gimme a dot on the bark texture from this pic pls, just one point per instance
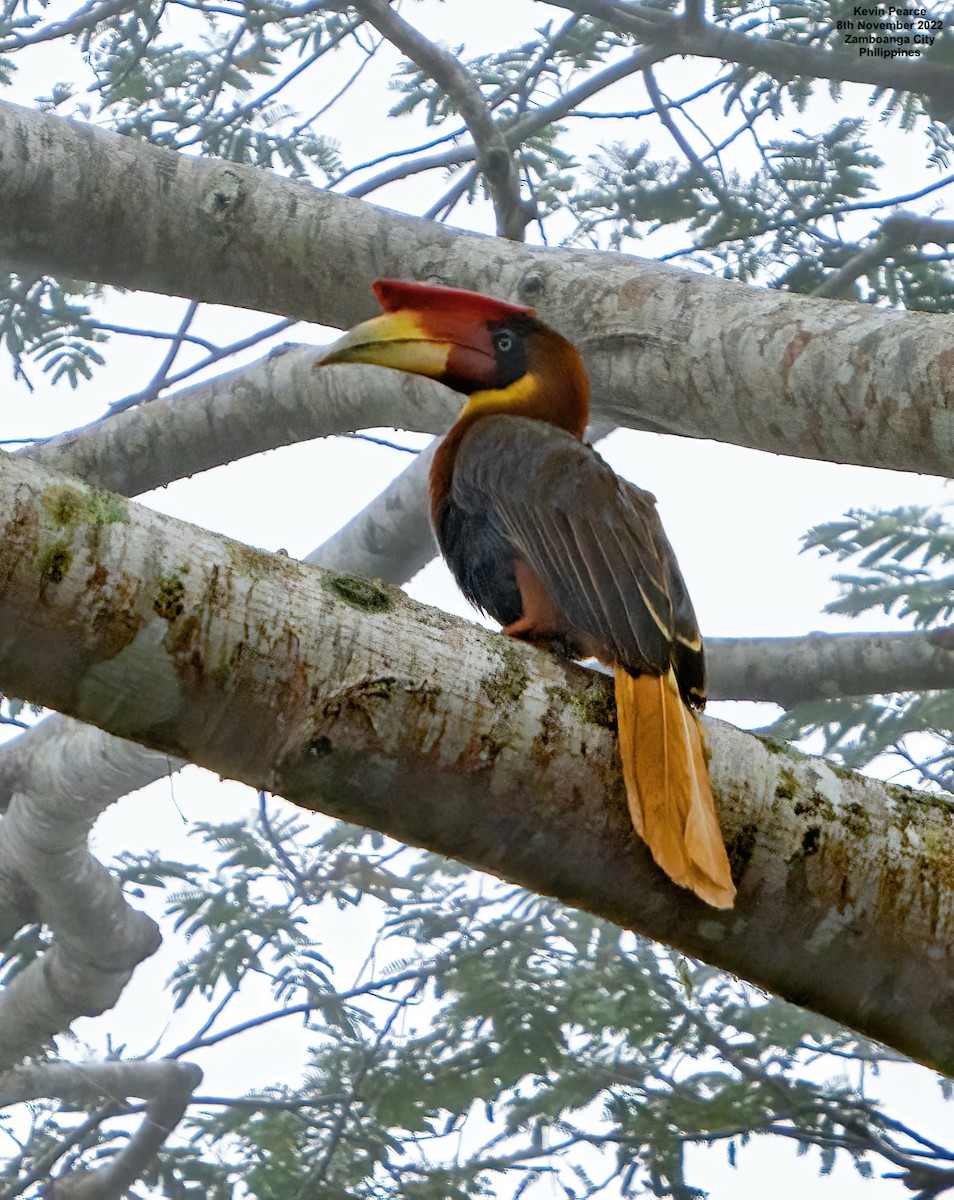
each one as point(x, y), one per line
point(348, 697)
point(167, 1088)
point(278, 401)
point(819, 666)
point(666, 349)
point(48, 874)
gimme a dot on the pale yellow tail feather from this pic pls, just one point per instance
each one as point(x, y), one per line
point(667, 785)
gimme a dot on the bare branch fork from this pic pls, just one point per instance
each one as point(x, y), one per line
point(166, 1086)
point(494, 158)
point(844, 903)
point(38, 771)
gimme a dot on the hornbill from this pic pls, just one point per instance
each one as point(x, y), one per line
point(543, 535)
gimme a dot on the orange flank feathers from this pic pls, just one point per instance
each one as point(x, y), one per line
point(667, 785)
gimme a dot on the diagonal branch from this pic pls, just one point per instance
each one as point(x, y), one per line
point(391, 539)
point(349, 696)
point(89, 15)
point(219, 421)
point(166, 1086)
point(897, 232)
point(661, 109)
point(791, 374)
point(494, 157)
point(778, 57)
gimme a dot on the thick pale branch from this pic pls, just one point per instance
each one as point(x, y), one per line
point(278, 401)
point(147, 446)
point(823, 665)
point(666, 349)
point(391, 539)
point(353, 699)
point(41, 770)
point(46, 866)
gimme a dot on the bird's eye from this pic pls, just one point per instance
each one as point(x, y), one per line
point(504, 341)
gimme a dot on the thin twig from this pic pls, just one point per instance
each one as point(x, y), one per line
point(158, 381)
point(202, 1041)
point(216, 356)
point(377, 441)
point(494, 155)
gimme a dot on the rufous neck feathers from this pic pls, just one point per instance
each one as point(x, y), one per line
point(554, 387)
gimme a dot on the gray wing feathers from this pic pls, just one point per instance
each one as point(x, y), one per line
point(594, 540)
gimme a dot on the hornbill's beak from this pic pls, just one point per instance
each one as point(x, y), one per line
point(429, 330)
point(406, 340)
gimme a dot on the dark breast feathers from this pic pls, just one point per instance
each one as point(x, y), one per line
point(519, 489)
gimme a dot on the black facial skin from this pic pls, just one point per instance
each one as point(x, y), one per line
point(509, 350)
point(510, 357)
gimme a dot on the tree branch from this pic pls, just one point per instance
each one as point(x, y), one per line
point(789, 374)
point(788, 670)
point(167, 1086)
point(517, 131)
point(391, 539)
point(896, 232)
point(442, 734)
point(666, 119)
point(494, 156)
point(84, 18)
point(220, 420)
point(47, 873)
point(778, 57)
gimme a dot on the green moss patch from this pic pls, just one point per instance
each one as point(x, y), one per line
point(168, 600)
point(54, 563)
point(66, 505)
point(507, 685)
point(595, 705)
point(359, 592)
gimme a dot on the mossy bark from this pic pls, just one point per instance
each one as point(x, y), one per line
point(450, 737)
